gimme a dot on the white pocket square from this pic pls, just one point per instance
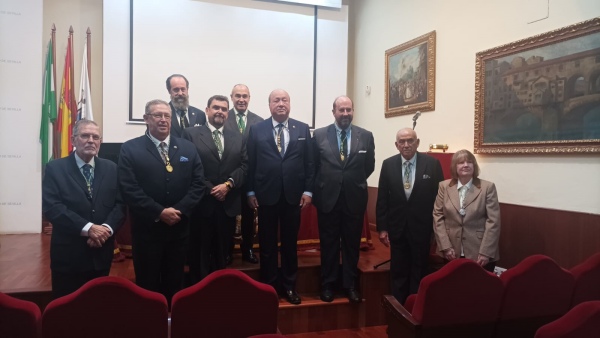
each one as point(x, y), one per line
point(302, 139)
point(425, 176)
point(183, 159)
point(362, 151)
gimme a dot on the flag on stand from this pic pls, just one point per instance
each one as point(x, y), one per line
point(66, 109)
point(48, 107)
point(84, 105)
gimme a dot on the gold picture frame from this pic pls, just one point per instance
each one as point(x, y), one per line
point(410, 76)
point(540, 95)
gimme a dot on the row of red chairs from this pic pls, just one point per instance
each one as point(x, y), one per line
point(464, 300)
point(227, 303)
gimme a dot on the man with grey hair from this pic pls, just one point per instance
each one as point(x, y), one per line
point(161, 180)
point(80, 198)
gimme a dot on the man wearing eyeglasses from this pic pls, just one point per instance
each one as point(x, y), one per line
point(182, 114)
point(241, 119)
point(80, 198)
point(161, 180)
point(408, 186)
point(224, 159)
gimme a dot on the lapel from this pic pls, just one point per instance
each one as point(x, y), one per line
point(333, 143)
point(471, 195)
point(206, 137)
point(175, 119)
point(419, 171)
point(150, 147)
point(76, 174)
point(269, 132)
point(398, 169)
point(173, 150)
point(98, 177)
point(355, 143)
point(294, 133)
point(191, 116)
point(230, 143)
point(452, 192)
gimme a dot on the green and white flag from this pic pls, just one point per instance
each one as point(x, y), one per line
point(48, 108)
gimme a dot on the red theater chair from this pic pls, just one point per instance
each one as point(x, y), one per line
point(107, 307)
point(227, 303)
point(587, 280)
point(536, 292)
point(459, 300)
point(582, 321)
point(19, 318)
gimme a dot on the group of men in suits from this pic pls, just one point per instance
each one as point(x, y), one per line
point(192, 173)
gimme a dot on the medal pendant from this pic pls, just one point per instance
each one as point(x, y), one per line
point(406, 185)
point(462, 212)
point(343, 157)
point(169, 168)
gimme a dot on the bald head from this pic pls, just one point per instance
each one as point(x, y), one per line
point(343, 112)
point(240, 97)
point(279, 104)
point(407, 143)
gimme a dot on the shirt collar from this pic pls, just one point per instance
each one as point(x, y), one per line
point(275, 123)
point(81, 162)
point(157, 142)
point(339, 130)
point(413, 160)
point(213, 128)
point(468, 185)
point(245, 112)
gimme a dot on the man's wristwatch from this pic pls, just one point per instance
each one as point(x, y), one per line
point(229, 185)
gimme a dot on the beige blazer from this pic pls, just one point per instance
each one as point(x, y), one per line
point(478, 231)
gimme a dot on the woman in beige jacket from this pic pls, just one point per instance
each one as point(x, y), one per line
point(466, 214)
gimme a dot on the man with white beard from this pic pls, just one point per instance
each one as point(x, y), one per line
point(182, 114)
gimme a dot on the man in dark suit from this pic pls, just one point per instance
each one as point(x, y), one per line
point(182, 114)
point(161, 180)
point(241, 119)
point(224, 158)
point(280, 182)
point(344, 159)
point(81, 200)
point(408, 186)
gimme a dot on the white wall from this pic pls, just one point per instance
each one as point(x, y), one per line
point(464, 28)
point(21, 74)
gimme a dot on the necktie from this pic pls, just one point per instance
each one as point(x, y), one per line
point(183, 122)
point(89, 178)
point(280, 139)
point(462, 193)
point(217, 138)
point(163, 151)
point(241, 123)
point(343, 146)
point(407, 170)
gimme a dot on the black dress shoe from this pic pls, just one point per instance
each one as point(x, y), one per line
point(249, 256)
point(292, 297)
point(353, 295)
point(327, 295)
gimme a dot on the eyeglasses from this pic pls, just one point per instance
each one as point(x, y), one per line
point(86, 137)
point(160, 116)
point(409, 142)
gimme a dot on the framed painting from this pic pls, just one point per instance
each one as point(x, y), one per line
point(410, 76)
point(541, 94)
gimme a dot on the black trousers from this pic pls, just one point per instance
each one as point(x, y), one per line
point(286, 218)
point(210, 241)
point(159, 261)
point(64, 283)
point(340, 228)
point(409, 264)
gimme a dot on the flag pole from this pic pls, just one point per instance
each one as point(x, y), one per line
point(72, 80)
point(89, 55)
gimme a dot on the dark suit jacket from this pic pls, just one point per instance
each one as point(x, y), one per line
point(195, 116)
point(331, 174)
point(66, 206)
point(233, 164)
point(269, 174)
point(148, 188)
point(251, 119)
point(395, 213)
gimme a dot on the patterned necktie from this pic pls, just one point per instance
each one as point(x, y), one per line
point(217, 138)
point(407, 172)
point(280, 139)
point(183, 122)
point(89, 178)
point(241, 123)
point(163, 151)
point(462, 193)
point(344, 146)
